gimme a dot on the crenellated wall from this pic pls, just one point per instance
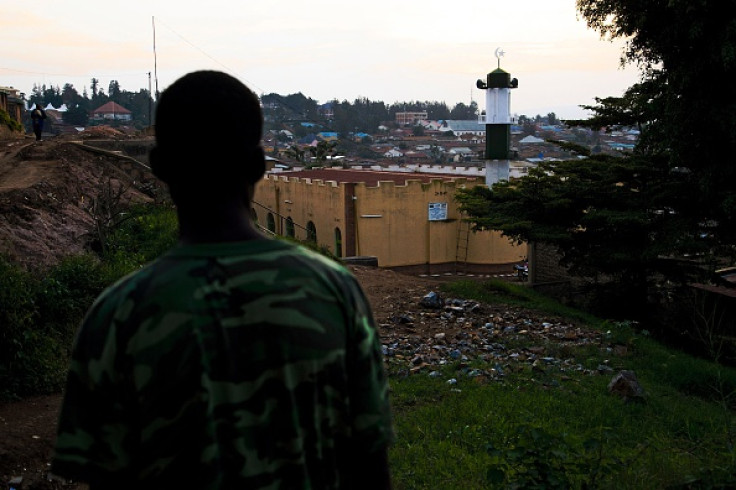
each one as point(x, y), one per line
point(387, 220)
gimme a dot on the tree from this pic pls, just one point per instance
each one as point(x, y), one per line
point(52, 95)
point(686, 102)
point(69, 95)
point(321, 152)
point(464, 112)
point(113, 91)
point(76, 115)
point(36, 95)
point(600, 213)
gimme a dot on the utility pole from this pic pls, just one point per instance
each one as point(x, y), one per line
point(150, 101)
point(155, 61)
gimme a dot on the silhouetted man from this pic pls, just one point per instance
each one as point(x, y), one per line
point(234, 360)
point(38, 115)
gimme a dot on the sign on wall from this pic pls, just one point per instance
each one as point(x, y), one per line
point(437, 211)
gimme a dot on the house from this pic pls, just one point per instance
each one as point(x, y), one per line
point(111, 110)
point(431, 125)
point(393, 153)
point(327, 136)
point(410, 118)
point(12, 102)
point(530, 140)
point(326, 110)
point(461, 127)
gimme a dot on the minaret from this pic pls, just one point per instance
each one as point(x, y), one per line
point(497, 119)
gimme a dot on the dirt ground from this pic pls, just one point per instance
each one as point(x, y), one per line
point(51, 194)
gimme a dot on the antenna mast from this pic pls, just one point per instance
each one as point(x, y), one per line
point(155, 61)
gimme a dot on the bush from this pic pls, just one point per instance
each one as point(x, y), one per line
point(8, 121)
point(148, 231)
point(64, 295)
point(40, 314)
point(535, 458)
point(17, 315)
point(38, 319)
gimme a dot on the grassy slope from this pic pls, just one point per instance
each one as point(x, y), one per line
point(564, 430)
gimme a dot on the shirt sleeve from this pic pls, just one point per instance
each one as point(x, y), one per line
point(370, 410)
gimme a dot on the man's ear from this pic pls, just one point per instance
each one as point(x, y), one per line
point(155, 159)
point(256, 165)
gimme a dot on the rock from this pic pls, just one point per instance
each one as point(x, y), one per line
point(404, 319)
point(625, 385)
point(602, 368)
point(432, 300)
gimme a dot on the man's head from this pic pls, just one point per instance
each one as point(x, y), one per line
point(208, 133)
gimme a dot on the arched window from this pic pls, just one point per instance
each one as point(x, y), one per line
point(290, 227)
point(311, 232)
point(271, 223)
point(338, 242)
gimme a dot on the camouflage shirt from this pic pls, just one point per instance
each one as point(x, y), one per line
point(231, 365)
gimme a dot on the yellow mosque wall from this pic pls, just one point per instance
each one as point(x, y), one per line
point(389, 221)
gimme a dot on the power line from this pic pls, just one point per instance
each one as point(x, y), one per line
point(227, 68)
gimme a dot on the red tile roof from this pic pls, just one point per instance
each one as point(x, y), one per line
point(110, 108)
point(369, 177)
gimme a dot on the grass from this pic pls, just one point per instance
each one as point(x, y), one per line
point(564, 430)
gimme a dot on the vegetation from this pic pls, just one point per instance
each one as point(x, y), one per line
point(41, 310)
point(513, 432)
point(9, 122)
point(600, 213)
point(559, 428)
point(678, 45)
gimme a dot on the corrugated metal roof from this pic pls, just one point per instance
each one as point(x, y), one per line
point(460, 125)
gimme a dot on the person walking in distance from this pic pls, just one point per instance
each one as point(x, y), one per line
point(233, 361)
point(38, 115)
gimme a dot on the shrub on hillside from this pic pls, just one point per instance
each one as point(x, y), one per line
point(9, 122)
point(19, 343)
point(39, 316)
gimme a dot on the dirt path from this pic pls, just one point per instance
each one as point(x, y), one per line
point(24, 164)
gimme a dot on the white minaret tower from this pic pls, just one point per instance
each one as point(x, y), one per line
point(497, 119)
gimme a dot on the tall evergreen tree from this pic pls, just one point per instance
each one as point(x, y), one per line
point(686, 101)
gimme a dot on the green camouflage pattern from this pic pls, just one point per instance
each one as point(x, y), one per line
point(232, 365)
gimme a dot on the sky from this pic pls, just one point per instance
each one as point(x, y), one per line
point(383, 50)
